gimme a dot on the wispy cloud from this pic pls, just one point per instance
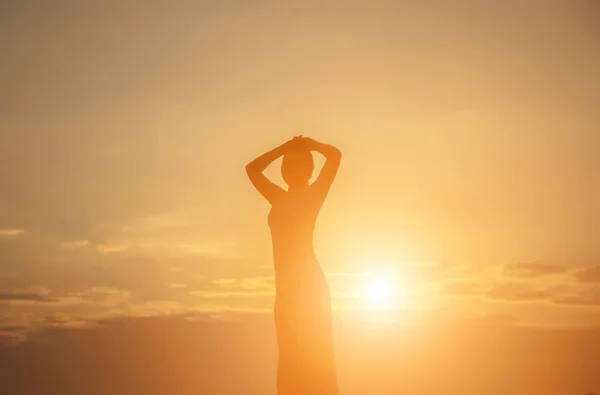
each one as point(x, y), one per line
point(463, 288)
point(231, 294)
point(589, 275)
point(255, 292)
point(103, 296)
point(585, 297)
point(26, 296)
point(246, 283)
point(535, 269)
point(11, 232)
point(518, 293)
point(179, 219)
point(444, 271)
point(75, 244)
point(111, 248)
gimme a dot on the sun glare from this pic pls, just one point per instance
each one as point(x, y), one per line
point(379, 291)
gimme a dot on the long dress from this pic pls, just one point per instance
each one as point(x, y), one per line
point(306, 363)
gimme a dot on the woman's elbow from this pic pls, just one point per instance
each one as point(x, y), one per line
point(252, 172)
point(336, 154)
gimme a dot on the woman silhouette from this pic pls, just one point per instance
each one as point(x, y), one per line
point(302, 303)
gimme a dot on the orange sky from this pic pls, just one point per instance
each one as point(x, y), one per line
point(470, 135)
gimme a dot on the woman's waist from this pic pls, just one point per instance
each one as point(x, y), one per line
point(294, 253)
point(291, 276)
point(299, 281)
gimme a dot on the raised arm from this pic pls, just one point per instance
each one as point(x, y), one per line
point(333, 157)
point(255, 170)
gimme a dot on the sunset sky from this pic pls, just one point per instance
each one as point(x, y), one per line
point(463, 223)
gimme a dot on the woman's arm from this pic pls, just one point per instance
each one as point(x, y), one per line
point(255, 170)
point(333, 158)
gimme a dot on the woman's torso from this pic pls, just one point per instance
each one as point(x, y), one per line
point(292, 220)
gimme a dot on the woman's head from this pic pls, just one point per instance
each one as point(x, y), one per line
point(297, 166)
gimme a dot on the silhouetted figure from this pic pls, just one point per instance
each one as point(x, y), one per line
point(302, 302)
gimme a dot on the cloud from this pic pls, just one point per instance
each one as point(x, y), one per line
point(231, 294)
point(443, 271)
point(26, 297)
point(11, 232)
point(509, 292)
point(160, 307)
point(12, 328)
point(254, 294)
point(589, 275)
point(10, 334)
point(462, 288)
point(226, 281)
point(533, 269)
point(111, 248)
point(63, 320)
point(39, 308)
point(76, 244)
point(212, 248)
point(586, 297)
point(260, 282)
point(36, 310)
point(246, 283)
point(104, 296)
point(515, 292)
point(180, 219)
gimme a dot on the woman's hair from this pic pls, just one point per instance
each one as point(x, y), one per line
point(297, 166)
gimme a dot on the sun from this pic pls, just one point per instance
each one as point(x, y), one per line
point(380, 291)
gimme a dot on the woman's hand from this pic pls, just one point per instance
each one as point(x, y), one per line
point(293, 143)
point(311, 144)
